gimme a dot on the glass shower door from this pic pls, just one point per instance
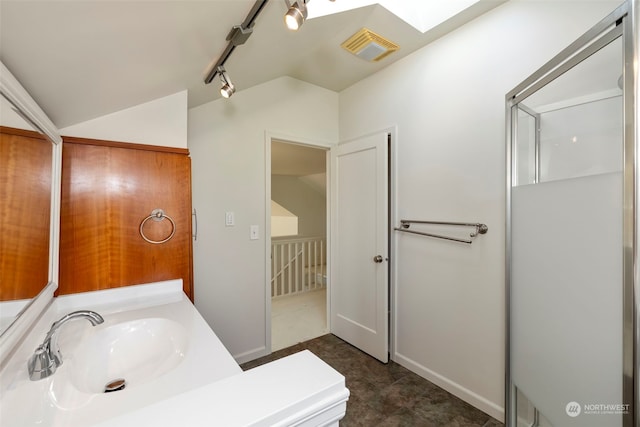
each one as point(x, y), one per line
point(565, 234)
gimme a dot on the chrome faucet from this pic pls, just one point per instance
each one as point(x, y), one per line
point(47, 357)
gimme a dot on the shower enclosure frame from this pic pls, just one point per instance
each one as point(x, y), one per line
point(622, 22)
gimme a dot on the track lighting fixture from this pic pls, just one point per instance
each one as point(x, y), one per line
point(227, 88)
point(296, 14)
point(236, 37)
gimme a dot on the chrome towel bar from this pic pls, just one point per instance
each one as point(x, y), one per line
point(479, 229)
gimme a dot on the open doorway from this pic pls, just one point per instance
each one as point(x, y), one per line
point(298, 218)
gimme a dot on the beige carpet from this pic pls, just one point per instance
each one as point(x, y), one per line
point(298, 318)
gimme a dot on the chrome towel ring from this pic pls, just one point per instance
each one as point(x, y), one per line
point(158, 215)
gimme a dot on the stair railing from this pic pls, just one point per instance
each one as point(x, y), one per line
point(297, 265)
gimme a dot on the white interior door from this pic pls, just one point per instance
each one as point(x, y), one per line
point(359, 236)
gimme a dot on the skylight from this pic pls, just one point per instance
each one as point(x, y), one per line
point(423, 15)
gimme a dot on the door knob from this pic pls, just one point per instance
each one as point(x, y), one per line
point(378, 259)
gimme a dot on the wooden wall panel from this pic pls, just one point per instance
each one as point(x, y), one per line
point(107, 191)
point(25, 202)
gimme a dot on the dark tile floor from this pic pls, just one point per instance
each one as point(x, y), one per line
point(386, 395)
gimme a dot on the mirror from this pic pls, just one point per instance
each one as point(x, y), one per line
point(29, 202)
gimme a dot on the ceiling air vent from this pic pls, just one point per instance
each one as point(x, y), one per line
point(369, 46)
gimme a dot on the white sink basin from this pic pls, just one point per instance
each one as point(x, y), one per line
point(152, 336)
point(136, 351)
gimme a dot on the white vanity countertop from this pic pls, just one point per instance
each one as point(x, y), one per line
point(206, 388)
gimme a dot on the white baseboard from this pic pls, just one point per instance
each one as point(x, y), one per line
point(250, 355)
point(485, 405)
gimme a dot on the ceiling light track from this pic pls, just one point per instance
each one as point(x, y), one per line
point(237, 36)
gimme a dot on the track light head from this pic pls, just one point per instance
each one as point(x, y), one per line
point(296, 14)
point(227, 90)
point(228, 87)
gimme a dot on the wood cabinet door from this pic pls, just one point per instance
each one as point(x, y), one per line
point(25, 206)
point(107, 192)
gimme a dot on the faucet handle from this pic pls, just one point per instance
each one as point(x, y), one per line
point(47, 357)
point(41, 364)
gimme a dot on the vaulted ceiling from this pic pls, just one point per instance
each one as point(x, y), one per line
point(297, 160)
point(85, 59)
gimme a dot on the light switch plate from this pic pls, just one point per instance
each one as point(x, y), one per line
point(254, 232)
point(229, 219)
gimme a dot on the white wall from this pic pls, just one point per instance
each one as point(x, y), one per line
point(304, 201)
point(283, 222)
point(227, 145)
point(448, 102)
point(9, 118)
point(160, 122)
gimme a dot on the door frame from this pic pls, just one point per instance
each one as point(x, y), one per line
point(393, 237)
point(307, 142)
point(392, 131)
